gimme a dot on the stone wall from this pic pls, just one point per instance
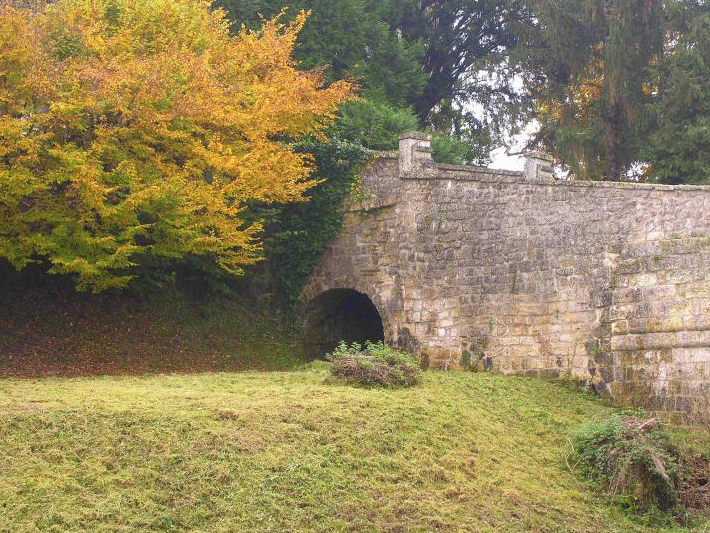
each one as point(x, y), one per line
point(518, 273)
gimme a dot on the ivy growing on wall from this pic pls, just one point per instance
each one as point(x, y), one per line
point(297, 234)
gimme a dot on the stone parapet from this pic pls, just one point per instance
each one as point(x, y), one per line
point(538, 166)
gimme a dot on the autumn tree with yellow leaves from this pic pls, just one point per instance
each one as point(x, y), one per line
point(135, 131)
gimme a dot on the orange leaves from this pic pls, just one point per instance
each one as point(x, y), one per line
point(141, 129)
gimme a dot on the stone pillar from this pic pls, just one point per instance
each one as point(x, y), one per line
point(415, 154)
point(538, 166)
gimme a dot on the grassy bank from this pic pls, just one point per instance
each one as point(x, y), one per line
point(47, 329)
point(289, 452)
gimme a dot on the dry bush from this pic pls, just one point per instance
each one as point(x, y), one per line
point(633, 460)
point(374, 365)
point(695, 491)
point(700, 413)
point(644, 466)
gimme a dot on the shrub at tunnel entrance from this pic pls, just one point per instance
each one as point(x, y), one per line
point(134, 133)
point(375, 364)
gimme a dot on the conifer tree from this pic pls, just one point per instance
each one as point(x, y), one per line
point(677, 149)
point(587, 64)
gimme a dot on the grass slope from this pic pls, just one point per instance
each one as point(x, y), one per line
point(287, 452)
point(47, 330)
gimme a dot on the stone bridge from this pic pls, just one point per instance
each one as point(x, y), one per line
point(517, 272)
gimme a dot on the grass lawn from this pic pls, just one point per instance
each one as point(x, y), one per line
point(288, 452)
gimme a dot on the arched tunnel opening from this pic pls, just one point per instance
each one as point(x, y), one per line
point(340, 314)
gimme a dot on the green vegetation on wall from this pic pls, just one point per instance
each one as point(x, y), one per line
point(296, 234)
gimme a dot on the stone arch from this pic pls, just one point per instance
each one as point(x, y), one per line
point(341, 314)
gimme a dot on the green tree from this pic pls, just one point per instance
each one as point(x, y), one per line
point(419, 54)
point(587, 69)
point(373, 124)
point(677, 149)
point(377, 126)
point(460, 37)
point(351, 40)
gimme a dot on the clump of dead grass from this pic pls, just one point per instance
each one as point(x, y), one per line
point(374, 365)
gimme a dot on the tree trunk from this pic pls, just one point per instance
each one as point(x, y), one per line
point(613, 144)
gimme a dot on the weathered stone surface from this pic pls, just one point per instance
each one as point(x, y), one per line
point(605, 282)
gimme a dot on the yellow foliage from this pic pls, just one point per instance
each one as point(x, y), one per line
point(137, 130)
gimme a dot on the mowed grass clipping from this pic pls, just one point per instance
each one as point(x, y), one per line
point(288, 452)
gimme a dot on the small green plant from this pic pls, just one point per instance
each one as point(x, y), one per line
point(631, 458)
point(375, 364)
point(596, 351)
point(466, 360)
point(358, 192)
point(474, 362)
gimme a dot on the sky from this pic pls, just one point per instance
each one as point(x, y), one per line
point(499, 157)
point(500, 160)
